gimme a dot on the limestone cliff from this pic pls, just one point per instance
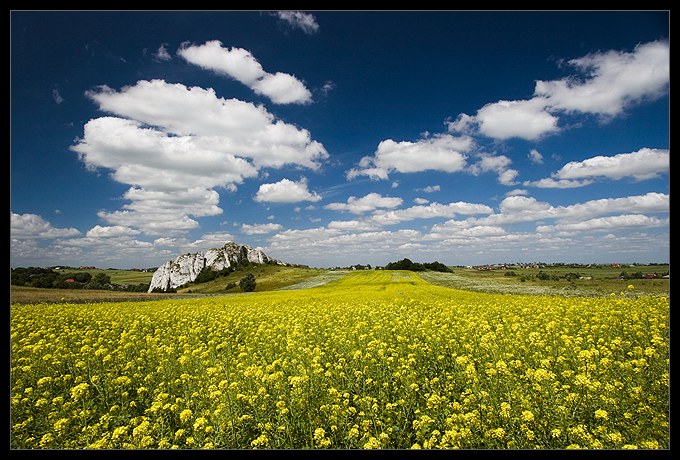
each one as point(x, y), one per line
point(186, 267)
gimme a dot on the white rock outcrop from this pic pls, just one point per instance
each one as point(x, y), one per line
point(186, 267)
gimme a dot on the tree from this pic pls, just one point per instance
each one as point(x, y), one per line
point(247, 283)
point(102, 278)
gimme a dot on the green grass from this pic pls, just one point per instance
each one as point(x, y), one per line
point(602, 280)
point(117, 276)
point(267, 278)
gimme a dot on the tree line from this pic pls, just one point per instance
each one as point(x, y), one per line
point(407, 264)
point(47, 278)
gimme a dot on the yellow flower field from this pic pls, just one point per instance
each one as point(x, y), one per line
point(376, 359)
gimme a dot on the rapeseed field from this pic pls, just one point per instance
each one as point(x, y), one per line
point(376, 359)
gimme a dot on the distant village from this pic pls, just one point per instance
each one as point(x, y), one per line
point(92, 267)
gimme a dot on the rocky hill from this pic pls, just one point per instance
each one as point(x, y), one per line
point(186, 267)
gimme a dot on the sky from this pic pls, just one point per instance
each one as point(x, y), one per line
point(331, 138)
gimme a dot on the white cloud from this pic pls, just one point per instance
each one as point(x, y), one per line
point(503, 235)
point(260, 229)
point(535, 156)
point(552, 183)
point(524, 119)
point(162, 53)
point(516, 192)
point(286, 191)
point(522, 209)
point(644, 164)
point(440, 153)
point(226, 126)
point(367, 203)
point(177, 144)
point(607, 223)
point(432, 210)
point(351, 225)
point(209, 240)
point(419, 200)
point(431, 188)
point(297, 19)
point(350, 246)
point(99, 231)
point(30, 226)
point(327, 87)
point(519, 203)
point(496, 163)
point(282, 88)
point(649, 203)
point(614, 80)
point(240, 64)
point(463, 124)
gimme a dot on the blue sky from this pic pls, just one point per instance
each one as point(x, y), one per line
point(333, 138)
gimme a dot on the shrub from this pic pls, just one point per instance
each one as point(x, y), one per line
point(247, 283)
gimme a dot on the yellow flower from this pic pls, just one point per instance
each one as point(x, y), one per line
point(505, 409)
point(372, 443)
point(261, 441)
point(185, 415)
point(496, 433)
point(319, 433)
point(601, 414)
point(79, 391)
point(199, 424)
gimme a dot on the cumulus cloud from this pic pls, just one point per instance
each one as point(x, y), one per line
point(429, 211)
point(498, 233)
point(32, 226)
point(519, 203)
point(367, 203)
point(607, 223)
point(315, 243)
point(440, 153)
point(260, 229)
point(496, 163)
point(241, 65)
point(606, 85)
point(524, 119)
point(113, 231)
point(286, 191)
point(613, 80)
point(353, 225)
point(549, 182)
point(643, 164)
point(174, 145)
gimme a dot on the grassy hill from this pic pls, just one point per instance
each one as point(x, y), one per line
point(267, 278)
point(117, 276)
